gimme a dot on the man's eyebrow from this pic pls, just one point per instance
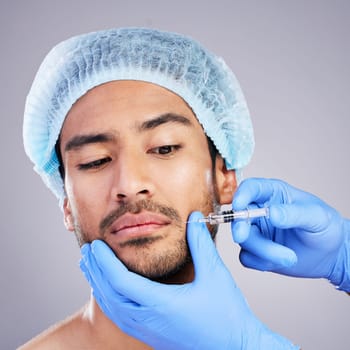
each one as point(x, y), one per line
point(163, 119)
point(79, 141)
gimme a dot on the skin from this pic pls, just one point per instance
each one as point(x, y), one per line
point(134, 187)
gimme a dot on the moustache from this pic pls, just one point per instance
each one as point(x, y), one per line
point(138, 207)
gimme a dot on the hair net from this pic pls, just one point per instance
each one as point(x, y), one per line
point(170, 60)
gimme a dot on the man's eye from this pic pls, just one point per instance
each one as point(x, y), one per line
point(165, 150)
point(94, 164)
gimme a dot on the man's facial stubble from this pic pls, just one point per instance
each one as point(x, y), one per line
point(151, 264)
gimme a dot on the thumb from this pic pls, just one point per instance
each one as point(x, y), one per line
point(204, 254)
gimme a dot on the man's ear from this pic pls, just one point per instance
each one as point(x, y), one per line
point(68, 217)
point(226, 182)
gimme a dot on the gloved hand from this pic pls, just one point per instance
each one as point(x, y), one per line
point(208, 313)
point(303, 236)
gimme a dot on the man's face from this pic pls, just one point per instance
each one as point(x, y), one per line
point(136, 165)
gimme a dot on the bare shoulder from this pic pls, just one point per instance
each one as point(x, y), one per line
point(88, 329)
point(63, 335)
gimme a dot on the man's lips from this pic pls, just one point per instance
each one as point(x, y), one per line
point(132, 225)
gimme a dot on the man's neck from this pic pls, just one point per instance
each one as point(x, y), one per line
point(105, 329)
point(105, 332)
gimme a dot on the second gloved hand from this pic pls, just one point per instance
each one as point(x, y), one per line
point(303, 236)
point(208, 313)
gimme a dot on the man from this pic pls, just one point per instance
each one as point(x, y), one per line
point(111, 126)
point(131, 152)
point(133, 130)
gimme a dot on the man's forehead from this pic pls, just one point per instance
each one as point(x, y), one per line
point(124, 89)
point(143, 104)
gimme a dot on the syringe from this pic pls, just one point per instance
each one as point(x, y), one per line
point(231, 215)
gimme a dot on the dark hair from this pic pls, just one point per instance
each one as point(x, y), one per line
point(59, 158)
point(212, 150)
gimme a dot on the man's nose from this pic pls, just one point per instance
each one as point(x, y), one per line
point(132, 179)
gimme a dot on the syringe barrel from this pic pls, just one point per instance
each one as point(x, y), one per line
point(251, 213)
point(230, 215)
point(221, 217)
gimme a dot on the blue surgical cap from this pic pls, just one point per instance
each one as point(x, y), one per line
point(170, 60)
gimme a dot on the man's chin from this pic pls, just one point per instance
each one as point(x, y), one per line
point(161, 268)
point(183, 273)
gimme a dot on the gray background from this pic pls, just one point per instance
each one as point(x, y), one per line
point(292, 59)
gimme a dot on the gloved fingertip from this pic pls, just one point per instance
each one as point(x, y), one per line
point(194, 225)
point(240, 231)
point(277, 214)
point(239, 203)
point(251, 261)
point(201, 244)
point(97, 244)
point(290, 259)
point(82, 264)
point(194, 217)
point(84, 270)
point(85, 249)
point(100, 248)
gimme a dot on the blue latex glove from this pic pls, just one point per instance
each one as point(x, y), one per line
point(303, 236)
point(208, 313)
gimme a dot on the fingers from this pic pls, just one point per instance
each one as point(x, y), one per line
point(240, 230)
point(253, 262)
point(90, 269)
point(100, 287)
point(95, 276)
point(105, 266)
point(265, 249)
point(309, 217)
point(119, 309)
point(289, 206)
point(254, 190)
point(204, 254)
point(312, 218)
